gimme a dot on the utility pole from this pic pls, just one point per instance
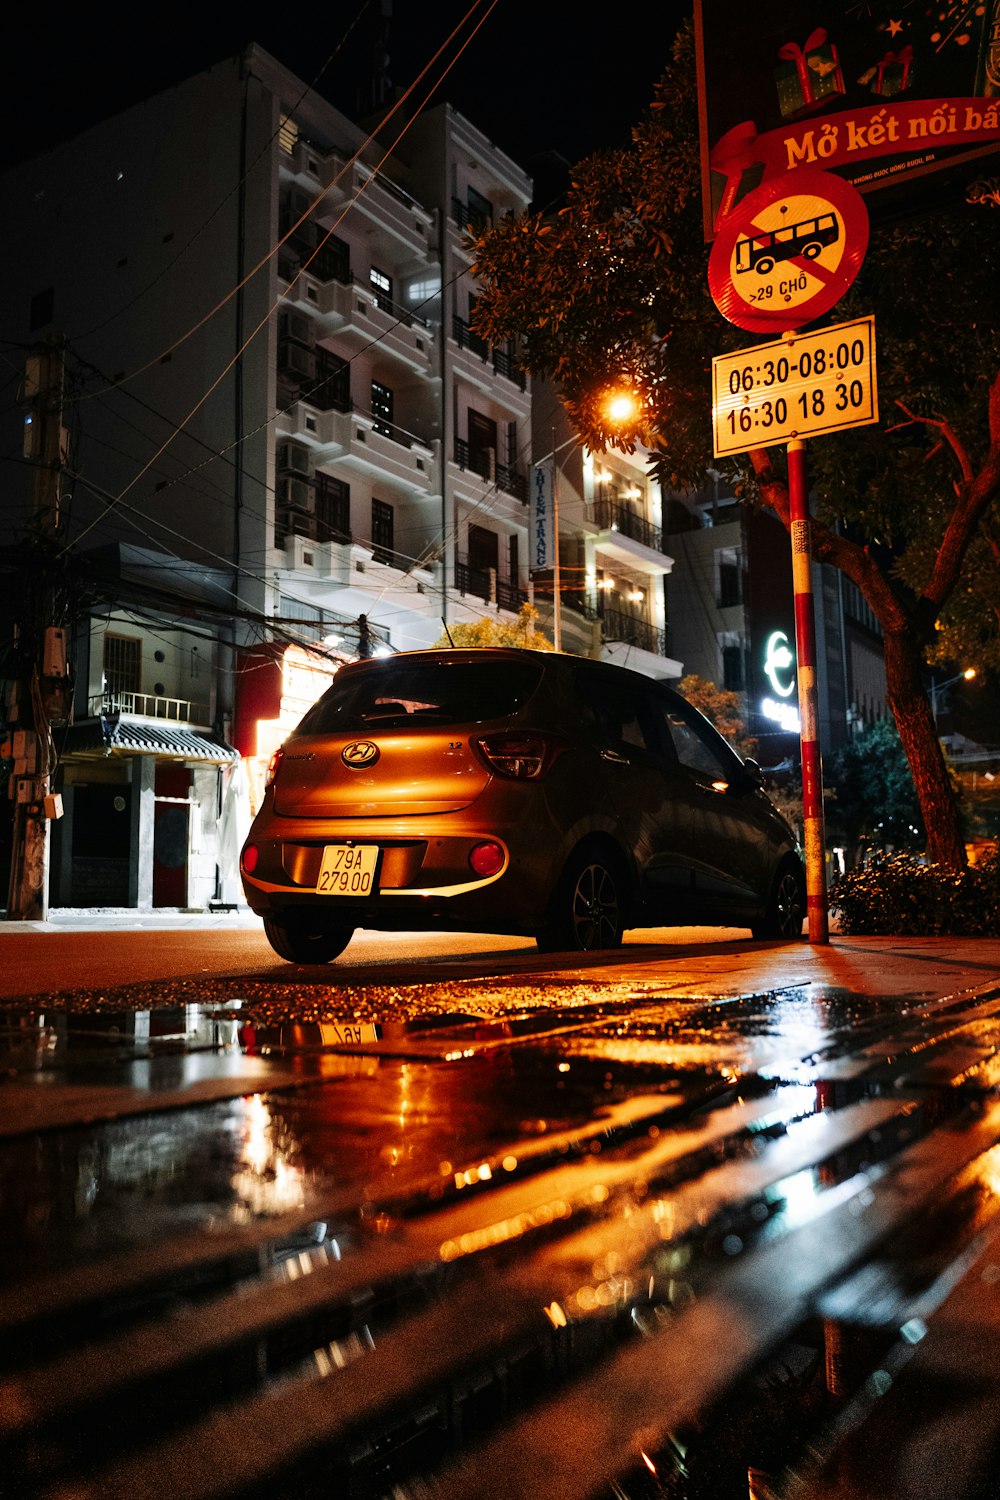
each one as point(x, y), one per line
point(41, 692)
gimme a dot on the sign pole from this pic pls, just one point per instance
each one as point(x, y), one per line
point(805, 650)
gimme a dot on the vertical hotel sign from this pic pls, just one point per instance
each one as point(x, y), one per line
point(542, 534)
point(879, 96)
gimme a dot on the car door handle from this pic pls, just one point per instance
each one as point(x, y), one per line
point(615, 757)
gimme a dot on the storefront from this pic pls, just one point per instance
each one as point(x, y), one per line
point(153, 816)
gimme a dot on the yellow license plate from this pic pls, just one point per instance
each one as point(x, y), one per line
point(347, 870)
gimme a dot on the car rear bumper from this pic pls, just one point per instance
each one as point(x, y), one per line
point(420, 882)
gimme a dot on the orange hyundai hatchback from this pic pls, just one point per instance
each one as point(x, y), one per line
point(512, 791)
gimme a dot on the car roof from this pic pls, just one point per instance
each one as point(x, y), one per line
point(551, 661)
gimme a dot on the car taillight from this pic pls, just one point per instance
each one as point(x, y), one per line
point(486, 858)
point(522, 757)
point(273, 766)
point(251, 854)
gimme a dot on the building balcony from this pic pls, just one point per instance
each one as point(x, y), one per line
point(357, 315)
point(492, 371)
point(149, 706)
point(467, 219)
point(632, 631)
point(399, 222)
point(506, 478)
point(628, 537)
point(483, 583)
point(359, 440)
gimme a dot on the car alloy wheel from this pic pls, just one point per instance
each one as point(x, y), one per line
point(588, 911)
point(785, 908)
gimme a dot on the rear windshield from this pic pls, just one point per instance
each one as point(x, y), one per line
point(422, 692)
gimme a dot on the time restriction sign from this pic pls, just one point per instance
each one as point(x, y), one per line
point(798, 386)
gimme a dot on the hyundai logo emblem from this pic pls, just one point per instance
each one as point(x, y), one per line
point(359, 753)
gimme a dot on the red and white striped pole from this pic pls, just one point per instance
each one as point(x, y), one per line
point(805, 651)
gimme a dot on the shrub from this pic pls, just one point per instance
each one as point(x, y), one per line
point(898, 895)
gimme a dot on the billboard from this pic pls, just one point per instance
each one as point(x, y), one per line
point(879, 94)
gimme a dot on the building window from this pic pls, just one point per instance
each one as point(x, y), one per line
point(383, 540)
point(332, 261)
point(484, 550)
point(333, 509)
point(480, 208)
point(382, 408)
point(121, 664)
point(732, 669)
point(288, 133)
point(381, 285)
point(332, 391)
point(512, 444)
point(728, 583)
point(513, 559)
point(482, 444)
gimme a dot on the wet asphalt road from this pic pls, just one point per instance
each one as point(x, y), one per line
point(493, 1191)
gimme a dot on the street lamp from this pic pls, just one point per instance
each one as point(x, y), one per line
point(621, 407)
point(939, 687)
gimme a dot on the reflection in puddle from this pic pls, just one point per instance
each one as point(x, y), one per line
point(268, 1180)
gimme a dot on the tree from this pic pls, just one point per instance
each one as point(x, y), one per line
point(612, 291)
point(488, 631)
point(872, 799)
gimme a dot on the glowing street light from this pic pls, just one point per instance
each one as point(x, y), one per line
point(938, 687)
point(621, 407)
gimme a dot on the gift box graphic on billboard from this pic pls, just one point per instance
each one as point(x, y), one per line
point(879, 93)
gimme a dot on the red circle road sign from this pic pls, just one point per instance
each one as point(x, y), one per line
point(788, 251)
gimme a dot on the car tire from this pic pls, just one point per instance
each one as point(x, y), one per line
point(306, 939)
point(786, 905)
point(588, 909)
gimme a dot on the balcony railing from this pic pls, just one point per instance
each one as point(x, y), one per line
point(509, 596)
point(149, 706)
point(308, 249)
point(466, 339)
point(467, 218)
point(611, 516)
point(389, 429)
point(384, 301)
point(506, 365)
point(325, 394)
point(616, 626)
point(481, 462)
point(483, 583)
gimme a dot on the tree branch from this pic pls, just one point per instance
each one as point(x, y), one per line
point(948, 435)
point(974, 496)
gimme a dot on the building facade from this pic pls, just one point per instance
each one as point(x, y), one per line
point(731, 612)
point(269, 371)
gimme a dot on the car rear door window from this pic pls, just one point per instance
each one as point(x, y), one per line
point(622, 711)
point(424, 692)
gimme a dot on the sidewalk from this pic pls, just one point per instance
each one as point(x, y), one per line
point(121, 919)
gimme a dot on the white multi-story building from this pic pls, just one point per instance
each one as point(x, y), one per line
point(272, 377)
point(269, 372)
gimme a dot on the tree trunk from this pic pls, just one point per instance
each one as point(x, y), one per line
point(911, 710)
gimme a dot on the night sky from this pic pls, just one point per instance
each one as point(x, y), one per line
point(539, 75)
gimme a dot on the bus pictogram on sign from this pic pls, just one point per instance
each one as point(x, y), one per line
point(761, 252)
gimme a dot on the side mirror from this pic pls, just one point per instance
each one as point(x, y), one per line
point(751, 776)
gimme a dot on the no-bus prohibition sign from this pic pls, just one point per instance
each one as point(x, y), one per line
point(788, 251)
